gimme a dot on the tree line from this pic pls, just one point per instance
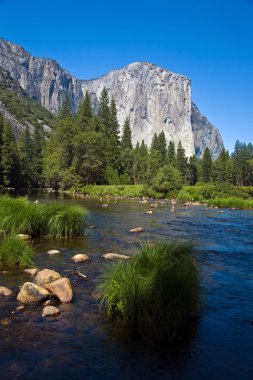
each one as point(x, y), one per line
point(86, 148)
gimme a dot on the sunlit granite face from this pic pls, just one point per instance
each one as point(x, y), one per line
point(154, 99)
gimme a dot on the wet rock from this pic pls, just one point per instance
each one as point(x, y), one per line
point(149, 212)
point(20, 308)
point(114, 256)
point(46, 276)
point(105, 205)
point(5, 291)
point(53, 252)
point(51, 302)
point(92, 227)
point(32, 271)
point(136, 230)
point(61, 288)
point(31, 293)
point(50, 311)
point(24, 236)
point(80, 258)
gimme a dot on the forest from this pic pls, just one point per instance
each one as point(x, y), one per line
point(86, 148)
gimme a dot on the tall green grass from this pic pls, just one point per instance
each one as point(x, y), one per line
point(67, 222)
point(55, 219)
point(237, 203)
point(16, 252)
point(154, 292)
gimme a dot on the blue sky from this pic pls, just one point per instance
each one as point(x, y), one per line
point(210, 41)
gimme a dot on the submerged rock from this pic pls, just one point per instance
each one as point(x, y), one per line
point(137, 230)
point(32, 271)
point(79, 258)
point(113, 256)
point(50, 311)
point(5, 291)
point(61, 288)
point(31, 293)
point(46, 276)
point(53, 252)
point(24, 236)
point(20, 308)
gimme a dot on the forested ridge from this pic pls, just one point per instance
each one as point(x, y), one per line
point(86, 148)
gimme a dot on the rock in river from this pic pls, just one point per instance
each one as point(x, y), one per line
point(137, 230)
point(24, 236)
point(5, 291)
point(61, 288)
point(31, 271)
point(53, 252)
point(50, 311)
point(30, 293)
point(113, 256)
point(46, 276)
point(79, 258)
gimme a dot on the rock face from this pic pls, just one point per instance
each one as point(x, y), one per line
point(154, 99)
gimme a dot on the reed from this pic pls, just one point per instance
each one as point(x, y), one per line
point(16, 252)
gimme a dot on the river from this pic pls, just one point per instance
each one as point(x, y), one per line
point(82, 344)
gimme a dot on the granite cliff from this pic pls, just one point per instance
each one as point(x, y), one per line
point(154, 99)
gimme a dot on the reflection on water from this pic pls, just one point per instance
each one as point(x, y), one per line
point(82, 344)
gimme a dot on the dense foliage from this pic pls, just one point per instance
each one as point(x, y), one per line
point(154, 292)
point(86, 149)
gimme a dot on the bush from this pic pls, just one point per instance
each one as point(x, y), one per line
point(154, 292)
point(167, 181)
point(16, 252)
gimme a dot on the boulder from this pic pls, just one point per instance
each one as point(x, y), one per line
point(32, 271)
point(50, 311)
point(5, 291)
point(53, 252)
point(46, 276)
point(79, 258)
point(24, 236)
point(113, 256)
point(30, 293)
point(61, 288)
point(137, 230)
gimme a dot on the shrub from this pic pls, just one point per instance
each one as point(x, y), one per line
point(15, 252)
point(154, 292)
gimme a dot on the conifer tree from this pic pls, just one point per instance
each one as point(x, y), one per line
point(126, 139)
point(172, 153)
point(26, 158)
point(84, 113)
point(207, 166)
point(9, 158)
point(66, 108)
point(181, 160)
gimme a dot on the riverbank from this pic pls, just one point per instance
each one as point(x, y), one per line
point(216, 195)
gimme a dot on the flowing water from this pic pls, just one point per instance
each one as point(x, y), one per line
point(82, 344)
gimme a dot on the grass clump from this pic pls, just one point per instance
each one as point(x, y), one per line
point(154, 292)
point(19, 216)
point(68, 221)
point(15, 252)
point(56, 219)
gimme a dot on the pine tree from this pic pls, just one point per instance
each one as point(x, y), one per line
point(162, 147)
point(9, 158)
point(84, 113)
point(171, 153)
point(1, 143)
point(26, 158)
point(126, 139)
point(38, 143)
point(181, 160)
point(207, 166)
point(104, 111)
point(192, 171)
point(66, 108)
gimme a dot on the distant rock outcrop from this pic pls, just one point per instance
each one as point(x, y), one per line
point(154, 99)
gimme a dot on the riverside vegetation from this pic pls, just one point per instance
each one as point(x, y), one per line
point(154, 292)
point(86, 149)
point(20, 216)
